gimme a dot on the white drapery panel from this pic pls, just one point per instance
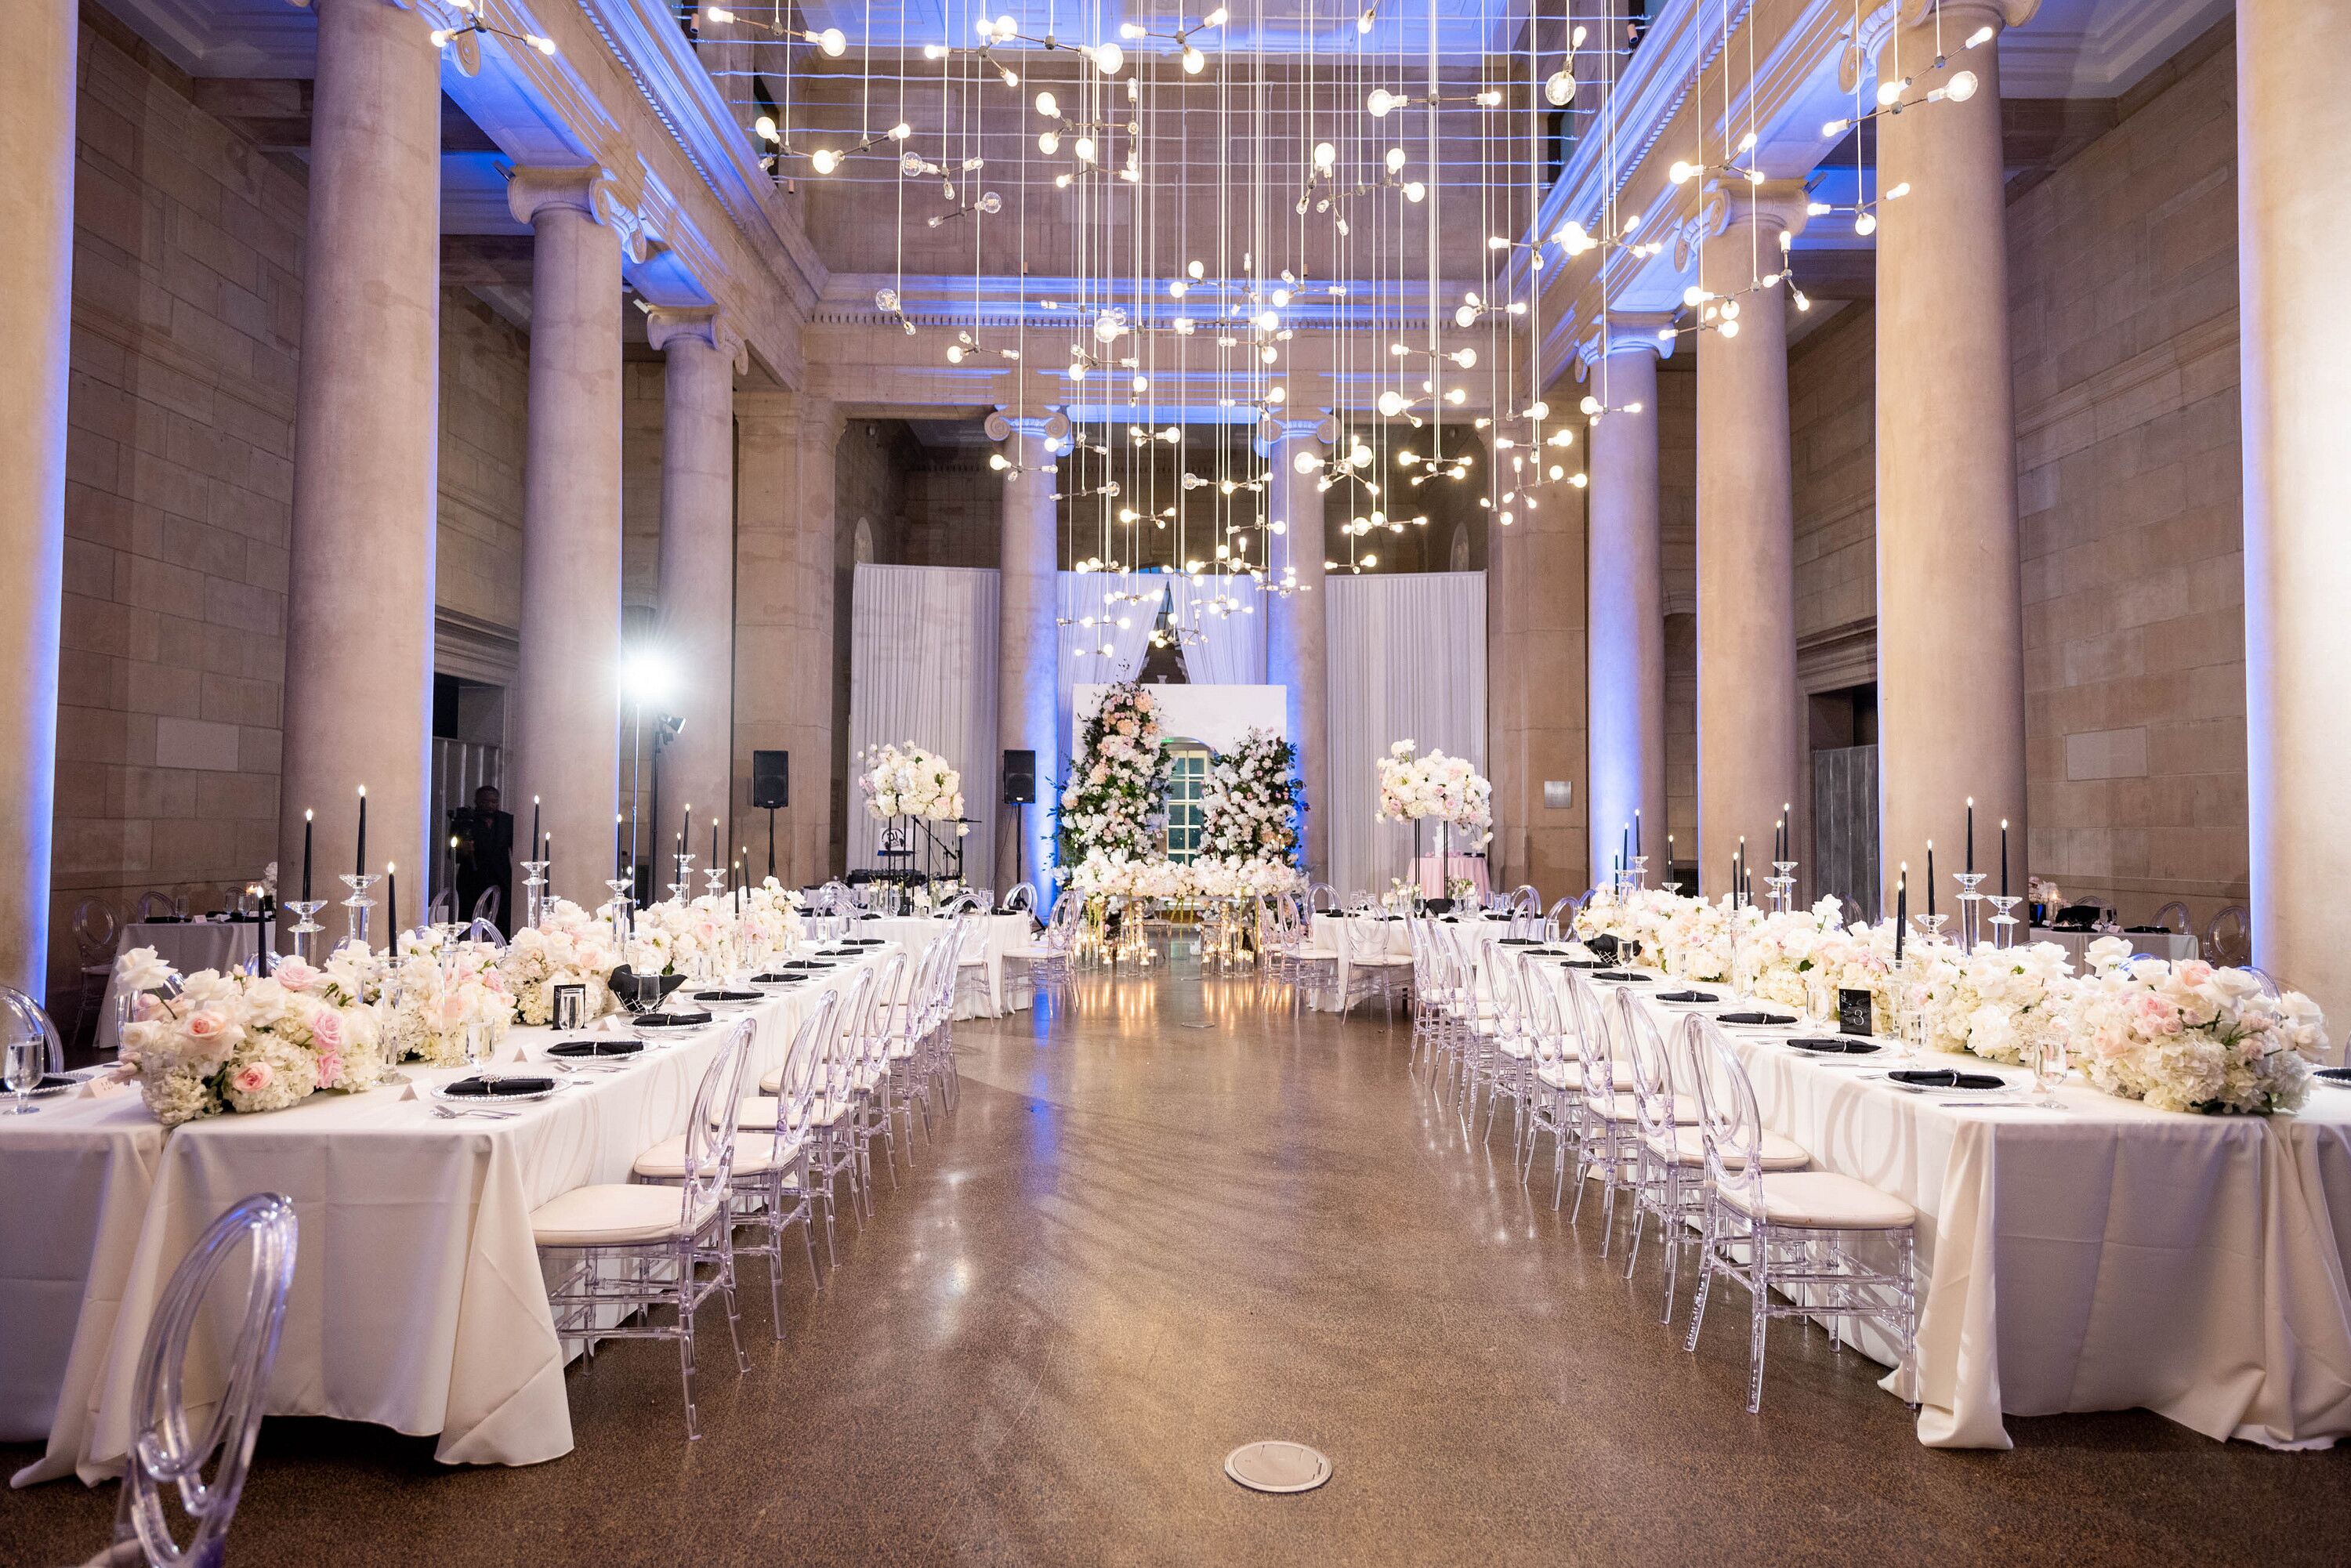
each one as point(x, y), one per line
point(1093, 605)
point(1408, 657)
point(1223, 619)
point(923, 658)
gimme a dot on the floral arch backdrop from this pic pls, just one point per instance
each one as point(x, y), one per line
point(1106, 838)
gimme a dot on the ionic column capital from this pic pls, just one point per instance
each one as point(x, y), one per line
point(1051, 427)
point(589, 190)
point(1961, 18)
point(1625, 332)
point(1318, 434)
point(1775, 207)
point(665, 325)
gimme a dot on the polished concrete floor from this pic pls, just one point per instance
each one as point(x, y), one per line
point(1169, 1219)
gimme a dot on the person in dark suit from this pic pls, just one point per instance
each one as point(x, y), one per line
point(485, 855)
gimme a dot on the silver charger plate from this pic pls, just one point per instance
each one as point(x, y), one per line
point(440, 1091)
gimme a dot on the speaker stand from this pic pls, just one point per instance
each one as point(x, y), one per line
point(771, 841)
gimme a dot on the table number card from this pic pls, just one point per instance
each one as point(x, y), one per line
point(1852, 1012)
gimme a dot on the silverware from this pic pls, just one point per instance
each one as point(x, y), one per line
point(451, 1113)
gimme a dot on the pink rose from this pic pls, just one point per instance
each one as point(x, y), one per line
point(211, 1033)
point(295, 975)
point(327, 1030)
point(253, 1077)
point(330, 1068)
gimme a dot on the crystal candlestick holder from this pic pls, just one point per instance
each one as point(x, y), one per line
point(1780, 887)
point(1971, 913)
point(530, 893)
point(1783, 872)
point(1930, 926)
point(715, 877)
point(356, 907)
point(621, 887)
point(1640, 873)
point(306, 925)
point(2003, 924)
point(685, 882)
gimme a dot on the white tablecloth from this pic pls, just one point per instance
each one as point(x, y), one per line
point(2102, 1257)
point(1005, 933)
point(1436, 876)
point(188, 946)
point(1395, 940)
point(417, 1300)
point(2178, 948)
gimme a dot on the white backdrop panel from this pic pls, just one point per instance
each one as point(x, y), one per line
point(923, 655)
point(1407, 662)
point(1215, 716)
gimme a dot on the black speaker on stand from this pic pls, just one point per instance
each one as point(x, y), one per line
point(771, 786)
point(1020, 790)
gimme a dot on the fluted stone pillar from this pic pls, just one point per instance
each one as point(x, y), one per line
point(697, 555)
point(367, 430)
point(1751, 731)
point(567, 718)
point(1626, 615)
point(1028, 691)
point(36, 145)
point(2293, 229)
point(1950, 639)
point(784, 658)
point(1297, 636)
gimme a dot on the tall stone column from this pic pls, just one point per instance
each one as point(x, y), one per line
point(1751, 728)
point(1297, 636)
point(567, 730)
point(784, 665)
point(1535, 686)
point(1028, 678)
point(36, 144)
point(2294, 228)
point(1950, 624)
point(697, 557)
point(1626, 615)
point(367, 431)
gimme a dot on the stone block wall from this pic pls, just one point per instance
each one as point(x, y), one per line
point(187, 312)
point(485, 398)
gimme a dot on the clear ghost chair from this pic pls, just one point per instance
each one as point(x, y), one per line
point(167, 1459)
point(1560, 923)
point(1022, 899)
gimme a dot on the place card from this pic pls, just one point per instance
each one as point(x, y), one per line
point(1854, 1012)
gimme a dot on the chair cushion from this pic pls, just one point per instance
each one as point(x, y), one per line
point(1312, 955)
point(1779, 1153)
point(608, 1214)
point(1565, 1074)
point(754, 1154)
point(1824, 1200)
point(1621, 1109)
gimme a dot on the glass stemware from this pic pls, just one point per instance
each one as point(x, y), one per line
point(2051, 1062)
point(28, 1060)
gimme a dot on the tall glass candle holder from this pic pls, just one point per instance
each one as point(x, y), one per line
point(685, 882)
point(715, 879)
point(1783, 884)
point(621, 887)
point(1640, 871)
point(530, 890)
point(2003, 924)
point(306, 925)
point(356, 907)
point(1970, 911)
point(1930, 926)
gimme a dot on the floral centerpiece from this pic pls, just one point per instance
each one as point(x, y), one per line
point(2002, 1004)
point(1637, 920)
point(909, 781)
point(1435, 786)
point(1115, 782)
point(1237, 876)
point(442, 1004)
point(568, 948)
point(770, 920)
point(678, 937)
point(238, 1042)
point(2192, 1036)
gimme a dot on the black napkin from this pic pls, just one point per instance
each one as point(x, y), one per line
point(1626, 976)
point(1519, 941)
point(637, 992)
point(596, 1048)
point(1944, 1078)
point(1756, 1018)
point(51, 1081)
point(726, 995)
point(1688, 997)
point(672, 1021)
point(778, 979)
point(1604, 948)
point(490, 1088)
point(2149, 931)
point(1835, 1045)
point(1496, 917)
point(1586, 964)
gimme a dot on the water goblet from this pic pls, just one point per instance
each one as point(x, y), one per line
point(2051, 1062)
point(28, 1060)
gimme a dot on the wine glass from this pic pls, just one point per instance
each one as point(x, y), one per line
point(28, 1060)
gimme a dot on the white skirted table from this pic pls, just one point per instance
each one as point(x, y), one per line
point(2176, 945)
point(1005, 934)
point(417, 1300)
point(2105, 1257)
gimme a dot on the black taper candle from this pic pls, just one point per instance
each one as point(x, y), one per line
point(361, 868)
point(620, 850)
point(1972, 834)
point(392, 905)
point(1637, 832)
point(306, 858)
point(1901, 909)
point(2003, 858)
point(684, 826)
point(1930, 879)
point(534, 818)
point(714, 844)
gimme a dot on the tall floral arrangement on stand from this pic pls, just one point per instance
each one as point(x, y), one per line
point(909, 781)
point(238, 1042)
point(1414, 786)
point(1253, 805)
point(1115, 782)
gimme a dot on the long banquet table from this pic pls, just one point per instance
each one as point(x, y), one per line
point(417, 1300)
point(2104, 1257)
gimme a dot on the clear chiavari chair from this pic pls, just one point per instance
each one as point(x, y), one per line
point(1663, 1182)
point(615, 1253)
point(1022, 899)
point(870, 1077)
point(1560, 923)
point(1553, 1106)
point(164, 1470)
point(1604, 1122)
point(966, 972)
point(1789, 1238)
point(1508, 1055)
point(793, 1104)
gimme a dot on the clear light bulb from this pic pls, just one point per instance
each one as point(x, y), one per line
point(824, 159)
point(1193, 61)
point(1889, 91)
point(1414, 192)
point(833, 42)
point(766, 126)
point(1326, 156)
point(1590, 405)
point(1380, 103)
point(1559, 91)
point(1681, 172)
point(1395, 160)
point(954, 353)
point(1467, 316)
point(1391, 404)
point(1867, 223)
point(1107, 59)
point(1084, 148)
point(1961, 87)
point(1049, 105)
point(991, 203)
